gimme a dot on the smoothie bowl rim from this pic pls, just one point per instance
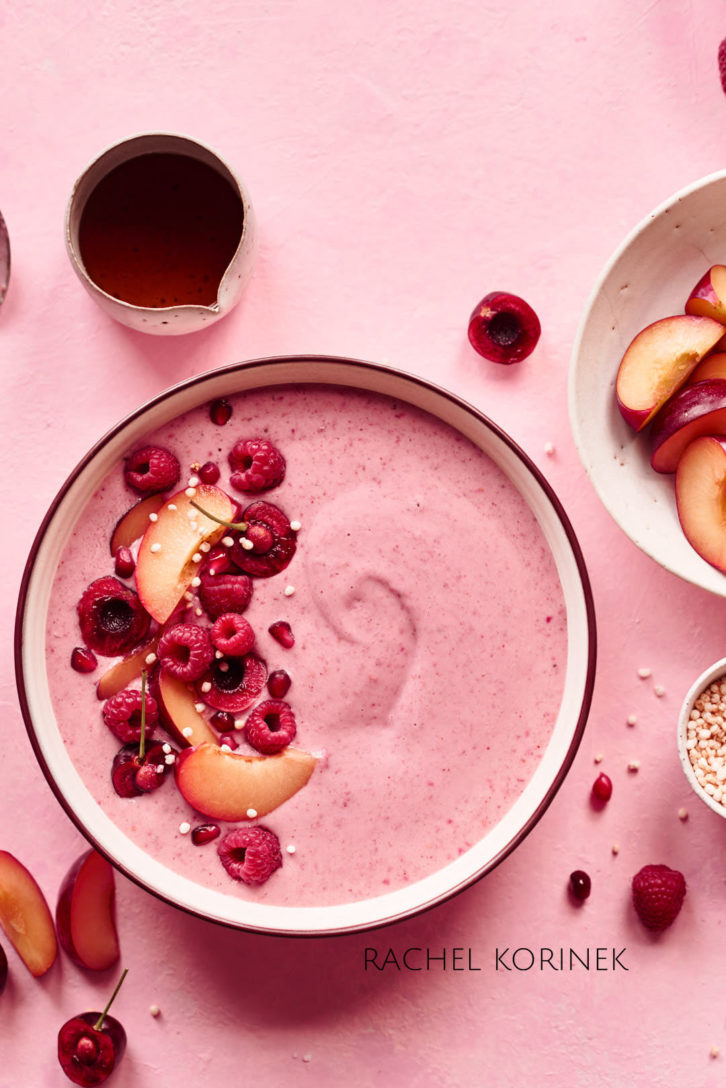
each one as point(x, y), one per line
point(447, 890)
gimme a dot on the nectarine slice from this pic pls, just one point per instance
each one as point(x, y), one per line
point(694, 411)
point(701, 498)
point(708, 297)
point(225, 785)
point(25, 917)
point(132, 525)
point(713, 366)
point(124, 672)
point(658, 361)
point(165, 565)
point(177, 707)
point(85, 913)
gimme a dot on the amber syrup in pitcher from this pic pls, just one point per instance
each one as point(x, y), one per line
point(160, 230)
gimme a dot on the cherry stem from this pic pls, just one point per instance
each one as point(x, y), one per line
point(142, 739)
point(99, 1023)
point(241, 525)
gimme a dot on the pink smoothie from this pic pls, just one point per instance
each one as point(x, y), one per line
point(430, 644)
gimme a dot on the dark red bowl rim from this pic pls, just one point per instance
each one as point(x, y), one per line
point(503, 437)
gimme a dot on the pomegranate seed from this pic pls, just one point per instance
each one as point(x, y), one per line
point(230, 740)
point(205, 833)
point(123, 563)
point(222, 721)
point(83, 659)
point(220, 411)
point(218, 560)
point(209, 473)
point(580, 884)
point(278, 684)
point(282, 633)
point(602, 788)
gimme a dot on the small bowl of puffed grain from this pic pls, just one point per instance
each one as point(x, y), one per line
point(702, 736)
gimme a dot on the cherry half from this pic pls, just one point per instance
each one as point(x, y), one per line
point(91, 1045)
point(504, 328)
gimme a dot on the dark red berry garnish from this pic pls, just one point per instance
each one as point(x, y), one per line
point(218, 561)
point(278, 684)
point(122, 713)
point(270, 727)
point(209, 472)
point(220, 593)
point(111, 616)
point(230, 740)
point(250, 854)
point(222, 721)
point(236, 682)
point(83, 659)
point(658, 894)
point(232, 635)
point(722, 64)
point(504, 328)
point(185, 651)
point(273, 541)
point(281, 631)
point(204, 833)
point(151, 468)
point(91, 1045)
point(580, 884)
point(602, 788)
point(124, 563)
point(3, 969)
point(256, 465)
point(220, 411)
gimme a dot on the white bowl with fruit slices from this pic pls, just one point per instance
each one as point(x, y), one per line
point(181, 890)
point(647, 386)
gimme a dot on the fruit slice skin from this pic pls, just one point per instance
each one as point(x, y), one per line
point(85, 913)
point(132, 525)
point(124, 672)
point(165, 567)
point(25, 916)
point(694, 411)
point(708, 297)
point(225, 785)
point(178, 712)
point(713, 366)
point(658, 362)
point(701, 498)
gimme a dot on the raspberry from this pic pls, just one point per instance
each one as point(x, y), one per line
point(250, 854)
point(232, 635)
point(722, 64)
point(152, 468)
point(112, 617)
point(83, 660)
point(256, 465)
point(270, 727)
point(273, 541)
point(122, 715)
point(220, 411)
point(185, 651)
point(220, 593)
point(658, 894)
point(236, 682)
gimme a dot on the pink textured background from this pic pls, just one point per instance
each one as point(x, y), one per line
point(404, 159)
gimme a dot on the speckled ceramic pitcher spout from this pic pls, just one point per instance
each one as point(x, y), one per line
point(167, 315)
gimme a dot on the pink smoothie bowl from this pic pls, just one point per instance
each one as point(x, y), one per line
point(182, 891)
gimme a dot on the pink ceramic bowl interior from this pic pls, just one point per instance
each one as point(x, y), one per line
point(226, 908)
